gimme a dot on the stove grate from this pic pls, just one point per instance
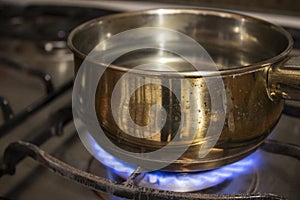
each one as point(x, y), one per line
point(126, 189)
point(17, 151)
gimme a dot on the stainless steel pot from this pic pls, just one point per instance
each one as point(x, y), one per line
point(254, 64)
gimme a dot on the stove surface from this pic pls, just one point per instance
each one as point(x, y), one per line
point(36, 72)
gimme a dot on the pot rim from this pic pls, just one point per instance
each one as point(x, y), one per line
point(239, 70)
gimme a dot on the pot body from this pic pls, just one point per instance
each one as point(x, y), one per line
point(234, 42)
point(250, 116)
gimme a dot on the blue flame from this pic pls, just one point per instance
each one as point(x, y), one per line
point(182, 182)
point(120, 167)
point(176, 181)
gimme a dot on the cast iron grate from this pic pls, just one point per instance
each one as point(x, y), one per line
point(17, 151)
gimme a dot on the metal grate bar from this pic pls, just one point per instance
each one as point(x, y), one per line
point(46, 78)
point(20, 149)
point(6, 109)
point(286, 149)
point(131, 178)
point(33, 108)
point(52, 127)
point(290, 110)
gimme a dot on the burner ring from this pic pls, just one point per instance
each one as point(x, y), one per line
point(242, 182)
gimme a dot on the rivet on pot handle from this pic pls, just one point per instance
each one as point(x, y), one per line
point(284, 79)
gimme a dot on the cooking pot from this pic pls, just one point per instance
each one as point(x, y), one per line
point(253, 70)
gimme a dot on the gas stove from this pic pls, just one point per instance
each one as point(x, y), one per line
point(36, 78)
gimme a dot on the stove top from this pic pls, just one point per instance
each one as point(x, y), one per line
point(36, 77)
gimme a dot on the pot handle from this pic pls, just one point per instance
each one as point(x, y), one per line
point(283, 79)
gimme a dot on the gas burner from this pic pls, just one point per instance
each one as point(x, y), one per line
point(218, 181)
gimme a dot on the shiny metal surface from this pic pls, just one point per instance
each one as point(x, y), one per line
point(243, 49)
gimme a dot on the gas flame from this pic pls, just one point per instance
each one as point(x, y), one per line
point(176, 181)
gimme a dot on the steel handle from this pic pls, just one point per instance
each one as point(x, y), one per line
point(284, 79)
